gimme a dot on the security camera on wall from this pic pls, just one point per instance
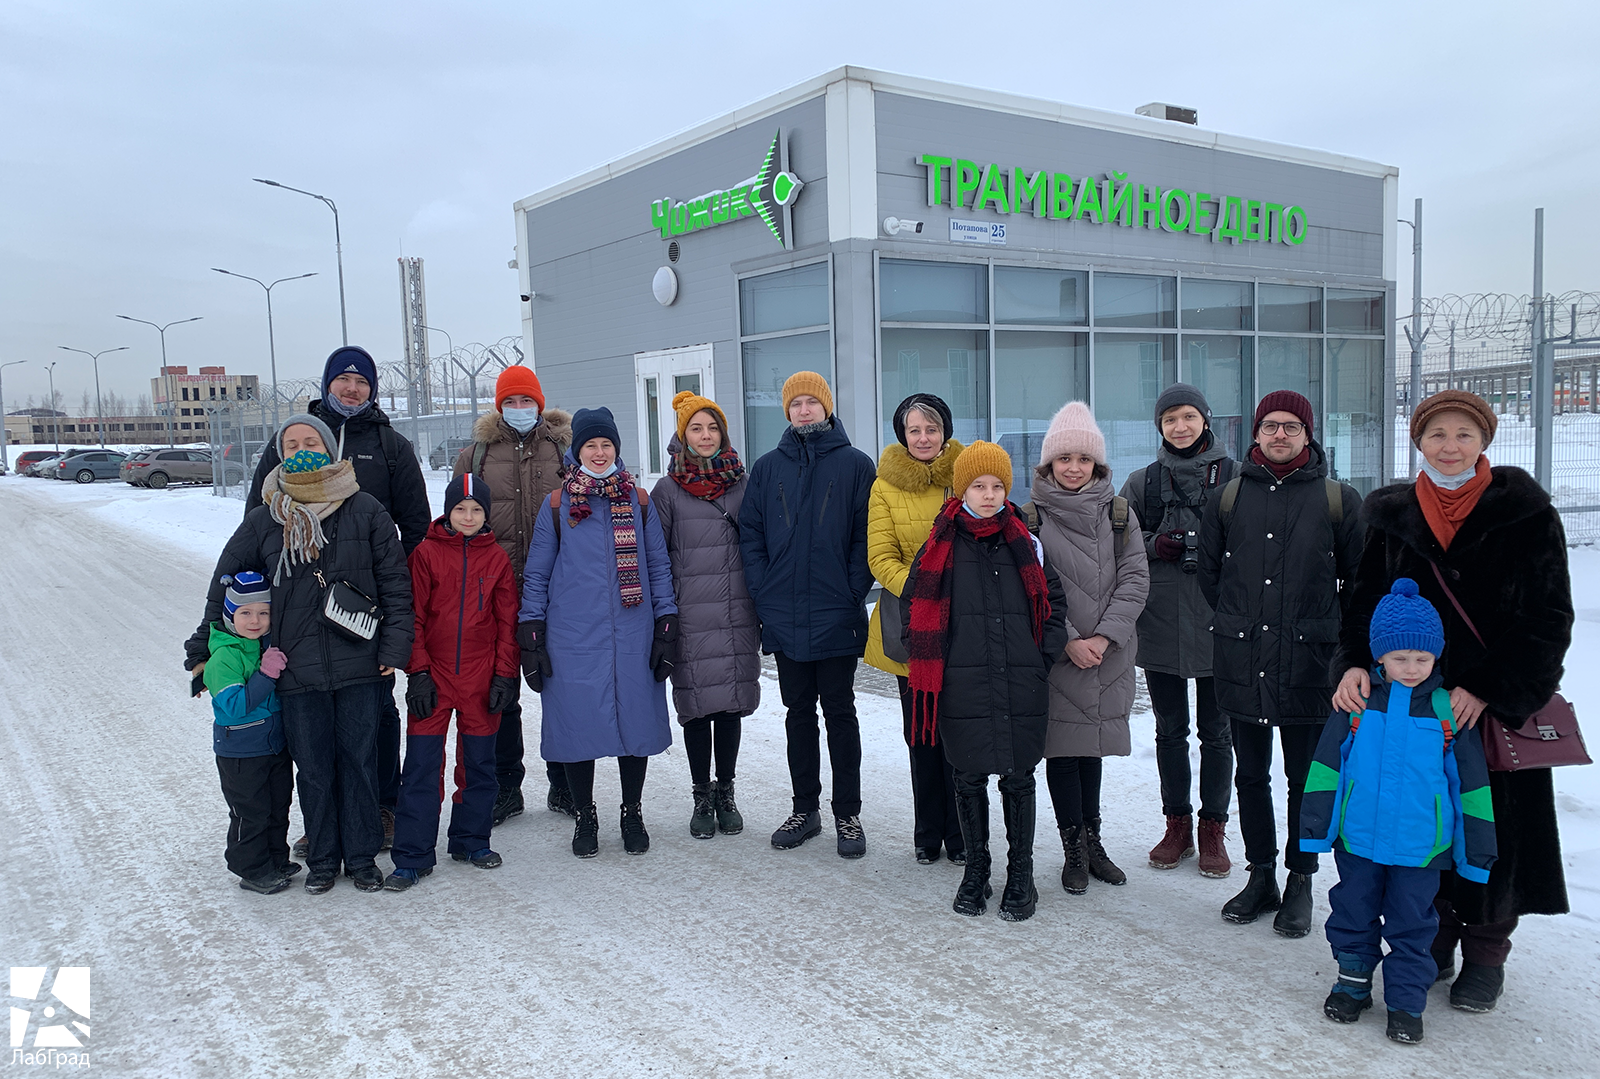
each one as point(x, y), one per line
point(894, 226)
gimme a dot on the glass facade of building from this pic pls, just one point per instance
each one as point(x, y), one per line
point(1007, 345)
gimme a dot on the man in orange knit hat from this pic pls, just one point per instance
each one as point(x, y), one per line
point(517, 451)
point(803, 536)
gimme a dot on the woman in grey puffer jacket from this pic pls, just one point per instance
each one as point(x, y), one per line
point(717, 679)
point(1095, 547)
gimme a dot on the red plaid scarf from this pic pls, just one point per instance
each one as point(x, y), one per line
point(930, 602)
point(618, 489)
point(707, 477)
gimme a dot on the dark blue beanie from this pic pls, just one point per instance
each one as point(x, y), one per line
point(1404, 621)
point(594, 423)
point(464, 486)
point(350, 358)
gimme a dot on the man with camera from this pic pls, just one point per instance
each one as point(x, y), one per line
point(1277, 546)
point(1169, 495)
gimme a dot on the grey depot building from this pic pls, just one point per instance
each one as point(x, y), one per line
point(1009, 254)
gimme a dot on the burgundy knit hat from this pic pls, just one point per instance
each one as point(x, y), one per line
point(1284, 401)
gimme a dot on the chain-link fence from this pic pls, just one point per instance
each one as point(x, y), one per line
point(1501, 372)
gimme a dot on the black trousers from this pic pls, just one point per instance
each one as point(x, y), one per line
point(1486, 945)
point(802, 684)
point(1252, 749)
point(1074, 784)
point(1169, 699)
point(933, 791)
point(388, 746)
point(509, 768)
point(580, 778)
point(720, 731)
point(257, 791)
point(333, 738)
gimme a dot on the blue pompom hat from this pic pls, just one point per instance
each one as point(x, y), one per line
point(1404, 621)
point(246, 586)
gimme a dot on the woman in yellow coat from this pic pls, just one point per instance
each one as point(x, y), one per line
point(914, 477)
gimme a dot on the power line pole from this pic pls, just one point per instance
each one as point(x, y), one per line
point(1543, 367)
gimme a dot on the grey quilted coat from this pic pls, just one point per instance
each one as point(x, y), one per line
point(718, 667)
point(1106, 579)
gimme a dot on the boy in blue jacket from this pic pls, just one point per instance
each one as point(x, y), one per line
point(1398, 793)
point(247, 736)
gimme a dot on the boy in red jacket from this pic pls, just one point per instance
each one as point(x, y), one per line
point(464, 659)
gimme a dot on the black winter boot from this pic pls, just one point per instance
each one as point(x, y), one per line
point(1478, 988)
point(729, 820)
point(1294, 916)
point(973, 813)
point(1353, 994)
point(1101, 867)
point(703, 821)
point(635, 840)
point(1259, 896)
point(586, 834)
point(1021, 897)
point(1075, 874)
point(1404, 1027)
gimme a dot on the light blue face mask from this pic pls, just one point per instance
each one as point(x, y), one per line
point(599, 475)
point(522, 420)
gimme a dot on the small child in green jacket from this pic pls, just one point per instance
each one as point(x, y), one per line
point(247, 737)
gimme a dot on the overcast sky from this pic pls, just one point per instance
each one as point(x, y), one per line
point(132, 132)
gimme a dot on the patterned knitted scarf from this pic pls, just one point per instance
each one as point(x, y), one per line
point(706, 477)
point(617, 488)
point(930, 602)
point(300, 499)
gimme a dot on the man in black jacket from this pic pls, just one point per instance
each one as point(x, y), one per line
point(1276, 548)
point(387, 469)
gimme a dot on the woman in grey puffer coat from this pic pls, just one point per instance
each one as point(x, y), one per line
point(1095, 547)
point(717, 679)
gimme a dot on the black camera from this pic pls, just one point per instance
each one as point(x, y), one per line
point(1191, 551)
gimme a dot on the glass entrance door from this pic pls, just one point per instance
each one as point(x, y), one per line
point(659, 377)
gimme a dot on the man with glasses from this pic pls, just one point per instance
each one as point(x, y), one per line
point(1275, 552)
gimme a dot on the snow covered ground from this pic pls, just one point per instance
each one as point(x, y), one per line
point(721, 957)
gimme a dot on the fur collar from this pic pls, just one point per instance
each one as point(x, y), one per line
point(554, 424)
point(904, 471)
point(1512, 495)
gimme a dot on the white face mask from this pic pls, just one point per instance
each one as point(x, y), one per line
point(599, 475)
point(522, 420)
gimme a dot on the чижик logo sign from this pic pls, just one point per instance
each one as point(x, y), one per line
point(49, 1007)
point(766, 195)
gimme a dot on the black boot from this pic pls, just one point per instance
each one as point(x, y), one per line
point(1075, 873)
point(586, 834)
point(703, 821)
point(1478, 988)
point(1101, 867)
point(635, 840)
point(1021, 898)
point(1404, 1028)
point(1260, 895)
point(972, 810)
point(1294, 916)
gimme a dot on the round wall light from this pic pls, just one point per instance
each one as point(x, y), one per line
point(665, 286)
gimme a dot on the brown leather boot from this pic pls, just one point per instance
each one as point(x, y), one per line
point(1176, 845)
point(1214, 849)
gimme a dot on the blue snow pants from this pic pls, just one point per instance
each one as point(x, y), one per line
point(422, 789)
point(1393, 902)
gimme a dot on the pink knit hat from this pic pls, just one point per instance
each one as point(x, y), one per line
point(1074, 431)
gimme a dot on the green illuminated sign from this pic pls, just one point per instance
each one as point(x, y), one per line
point(765, 195)
point(966, 185)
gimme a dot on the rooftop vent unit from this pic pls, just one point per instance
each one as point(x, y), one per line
point(1162, 111)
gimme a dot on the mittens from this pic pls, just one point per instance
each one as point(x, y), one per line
point(664, 646)
point(422, 696)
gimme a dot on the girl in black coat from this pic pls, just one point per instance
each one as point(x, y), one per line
point(984, 623)
point(1499, 543)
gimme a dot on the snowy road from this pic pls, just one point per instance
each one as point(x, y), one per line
point(719, 957)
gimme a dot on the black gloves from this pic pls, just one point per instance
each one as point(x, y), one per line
point(502, 694)
point(535, 659)
point(662, 648)
point(422, 696)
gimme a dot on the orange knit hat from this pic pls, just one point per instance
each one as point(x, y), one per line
point(981, 459)
point(686, 404)
point(515, 380)
point(806, 382)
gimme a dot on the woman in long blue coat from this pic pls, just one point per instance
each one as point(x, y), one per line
point(597, 628)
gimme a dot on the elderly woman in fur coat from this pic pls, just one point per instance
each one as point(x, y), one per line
point(1492, 534)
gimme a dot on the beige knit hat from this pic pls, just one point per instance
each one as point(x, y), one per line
point(1073, 431)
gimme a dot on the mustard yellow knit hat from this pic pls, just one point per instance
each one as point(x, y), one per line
point(981, 459)
point(686, 404)
point(807, 382)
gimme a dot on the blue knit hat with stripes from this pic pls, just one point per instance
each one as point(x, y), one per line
point(246, 586)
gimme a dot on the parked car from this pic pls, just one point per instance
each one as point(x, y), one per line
point(90, 466)
point(42, 467)
point(163, 467)
point(128, 463)
point(445, 453)
point(28, 458)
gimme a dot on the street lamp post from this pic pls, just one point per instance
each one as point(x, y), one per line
point(99, 410)
point(55, 425)
point(338, 246)
point(162, 330)
point(448, 340)
point(272, 347)
point(5, 439)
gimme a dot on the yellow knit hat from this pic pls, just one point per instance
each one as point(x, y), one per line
point(981, 459)
point(686, 404)
point(807, 382)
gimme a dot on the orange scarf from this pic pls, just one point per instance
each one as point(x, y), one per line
point(1446, 510)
